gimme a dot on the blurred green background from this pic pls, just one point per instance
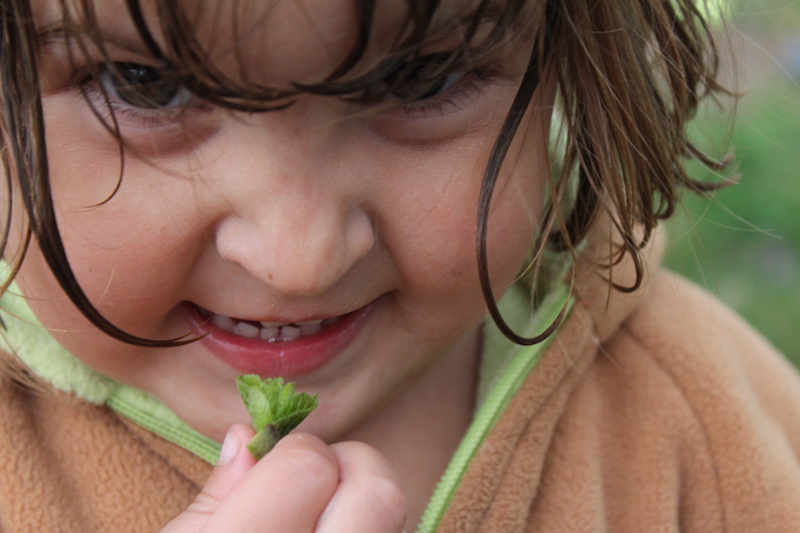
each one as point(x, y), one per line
point(744, 243)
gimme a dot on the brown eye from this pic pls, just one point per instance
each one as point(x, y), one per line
point(426, 78)
point(143, 86)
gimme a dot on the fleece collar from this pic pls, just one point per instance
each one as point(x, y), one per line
point(26, 338)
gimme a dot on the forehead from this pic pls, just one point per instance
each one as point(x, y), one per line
point(288, 39)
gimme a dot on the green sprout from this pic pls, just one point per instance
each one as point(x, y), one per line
point(275, 409)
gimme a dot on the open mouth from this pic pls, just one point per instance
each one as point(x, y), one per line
point(268, 331)
point(288, 349)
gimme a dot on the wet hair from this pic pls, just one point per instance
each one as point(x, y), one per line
point(629, 74)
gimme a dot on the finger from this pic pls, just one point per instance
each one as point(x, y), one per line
point(233, 464)
point(369, 498)
point(287, 490)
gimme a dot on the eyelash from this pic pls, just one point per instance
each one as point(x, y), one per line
point(104, 97)
point(453, 98)
point(98, 89)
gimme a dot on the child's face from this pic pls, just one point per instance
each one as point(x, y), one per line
point(316, 212)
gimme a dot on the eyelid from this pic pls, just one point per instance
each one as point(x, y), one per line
point(412, 78)
point(160, 78)
point(458, 95)
point(95, 85)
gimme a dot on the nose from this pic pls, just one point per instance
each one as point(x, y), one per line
point(292, 219)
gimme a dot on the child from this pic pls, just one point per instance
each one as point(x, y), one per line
point(198, 190)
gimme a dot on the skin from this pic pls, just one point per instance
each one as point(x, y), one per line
point(309, 212)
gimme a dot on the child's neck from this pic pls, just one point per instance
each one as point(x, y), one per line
point(419, 431)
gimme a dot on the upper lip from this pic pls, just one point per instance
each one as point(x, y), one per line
point(293, 318)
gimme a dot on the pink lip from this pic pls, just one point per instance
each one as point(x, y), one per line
point(287, 358)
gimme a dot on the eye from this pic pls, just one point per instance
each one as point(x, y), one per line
point(438, 87)
point(143, 86)
point(425, 78)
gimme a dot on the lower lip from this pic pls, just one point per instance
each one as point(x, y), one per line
point(288, 359)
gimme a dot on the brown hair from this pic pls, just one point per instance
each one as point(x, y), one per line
point(629, 73)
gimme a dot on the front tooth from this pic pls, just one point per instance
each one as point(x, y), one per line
point(223, 322)
point(269, 333)
point(272, 324)
point(247, 330)
point(309, 329)
point(289, 333)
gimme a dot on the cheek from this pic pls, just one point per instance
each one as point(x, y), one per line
point(54, 310)
point(114, 282)
point(120, 230)
point(118, 242)
point(452, 203)
point(514, 216)
point(513, 219)
point(436, 201)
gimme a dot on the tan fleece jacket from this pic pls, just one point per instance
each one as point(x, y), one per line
point(657, 411)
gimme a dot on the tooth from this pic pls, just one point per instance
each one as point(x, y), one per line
point(223, 322)
point(273, 324)
point(289, 333)
point(247, 330)
point(329, 321)
point(309, 329)
point(269, 333)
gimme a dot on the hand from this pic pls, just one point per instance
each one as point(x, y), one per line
point(302, 485)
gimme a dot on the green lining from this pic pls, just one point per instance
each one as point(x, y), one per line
point(149, 413)
point(44, 356)
point(506, 385)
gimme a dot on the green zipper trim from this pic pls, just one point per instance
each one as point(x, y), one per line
point(508, 383)
point(128, 402)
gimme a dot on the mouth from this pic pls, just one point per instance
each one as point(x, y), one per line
point(272, 349)
point(268, 331)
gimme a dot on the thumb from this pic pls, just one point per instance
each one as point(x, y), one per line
point(235, 460)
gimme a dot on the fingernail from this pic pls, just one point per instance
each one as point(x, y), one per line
point(230, 448)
